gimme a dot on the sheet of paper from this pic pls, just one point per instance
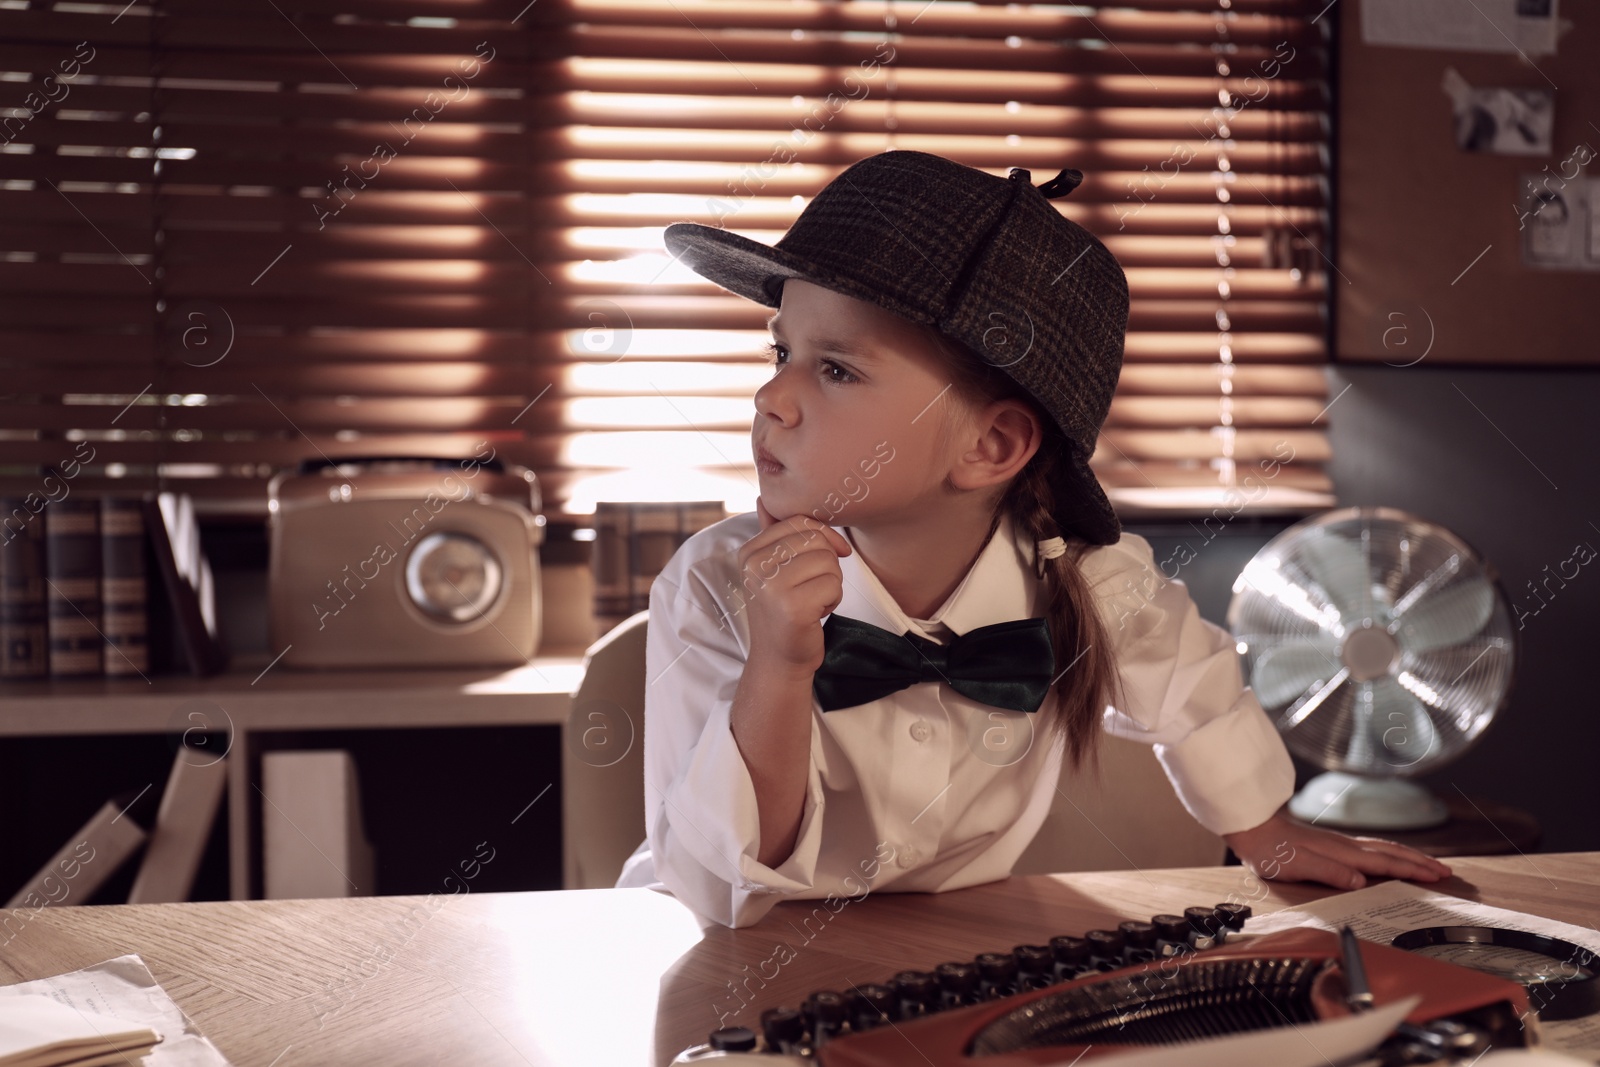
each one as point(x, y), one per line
point(125, 989)
point(1379, 912)
point(35, 1029)
point(1527, 26)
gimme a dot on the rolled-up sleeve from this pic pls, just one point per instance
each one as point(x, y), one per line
point(701, 817)
point(1183, 693)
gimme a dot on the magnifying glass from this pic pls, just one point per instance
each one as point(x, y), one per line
point(1562, 979)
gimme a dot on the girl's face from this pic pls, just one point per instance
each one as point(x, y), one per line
point(853, 412)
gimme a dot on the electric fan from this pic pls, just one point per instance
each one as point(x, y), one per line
point(1382, 646)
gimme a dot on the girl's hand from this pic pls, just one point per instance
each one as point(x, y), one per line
point(790, 571)
point(1288, 851)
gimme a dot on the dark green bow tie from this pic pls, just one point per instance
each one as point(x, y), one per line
point(1006, 665)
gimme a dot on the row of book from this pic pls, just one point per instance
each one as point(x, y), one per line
point(74, 594)
point(313, 841)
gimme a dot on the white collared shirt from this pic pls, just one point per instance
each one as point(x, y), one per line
point(924, 789)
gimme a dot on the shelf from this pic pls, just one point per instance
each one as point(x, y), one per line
point(263, 697)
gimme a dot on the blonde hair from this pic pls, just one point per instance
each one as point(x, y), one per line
point(1088, 679)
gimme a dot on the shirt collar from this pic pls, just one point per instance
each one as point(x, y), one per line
point(999, 587)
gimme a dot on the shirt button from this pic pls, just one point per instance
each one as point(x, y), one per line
point(921, 731)
point(907, 857)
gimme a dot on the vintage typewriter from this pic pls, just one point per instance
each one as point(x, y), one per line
point(1174, 979)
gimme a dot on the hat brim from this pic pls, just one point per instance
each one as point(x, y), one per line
point(757, 272)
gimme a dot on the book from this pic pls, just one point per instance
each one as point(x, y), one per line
point(182, 827)
point(124, 590)
point(186, 577)
point(633, 542)
point(72, 586)
point(24, 634)
point(91, 856)
point(312, 841)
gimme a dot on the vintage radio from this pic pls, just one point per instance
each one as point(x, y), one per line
point(405, 563)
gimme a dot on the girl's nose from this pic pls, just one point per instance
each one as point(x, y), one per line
point(773, 401)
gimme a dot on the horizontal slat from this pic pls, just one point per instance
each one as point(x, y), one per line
point(238, 374)
point(301, 66)
point(251, 289)
point(1160, 351)
point(754, 33)
point(959, 20)
point(263, 415)
point(1131, 490)
point(368, 216)
point(485, 310)
point(253, 413)
point(699, 95)
point(368, 148)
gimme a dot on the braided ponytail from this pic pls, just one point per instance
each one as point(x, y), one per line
point(1087, 679)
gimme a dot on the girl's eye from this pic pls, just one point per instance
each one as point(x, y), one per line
point(778, 355)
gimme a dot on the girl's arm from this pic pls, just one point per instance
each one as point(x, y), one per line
point(725, 734)
point(793, 565)
point(1186, 695)
point(1289, 851)
point(771, 721)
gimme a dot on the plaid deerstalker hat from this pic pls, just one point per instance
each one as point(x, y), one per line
point(985, 260)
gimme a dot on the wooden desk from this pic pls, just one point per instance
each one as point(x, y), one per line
point(614, 977)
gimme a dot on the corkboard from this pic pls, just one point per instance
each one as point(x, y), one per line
point(1414, 211)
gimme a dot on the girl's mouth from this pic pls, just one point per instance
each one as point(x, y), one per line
point(766, 464)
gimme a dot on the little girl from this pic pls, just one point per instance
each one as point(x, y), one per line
point(873, 680)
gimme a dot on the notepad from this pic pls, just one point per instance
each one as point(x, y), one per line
point(36, 1031)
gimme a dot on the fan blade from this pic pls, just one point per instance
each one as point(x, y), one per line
point(1284, 671)
point(1404, 735)
point(1339, 566)
point(1446, 617)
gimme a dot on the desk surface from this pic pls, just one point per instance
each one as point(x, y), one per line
point(614, 977)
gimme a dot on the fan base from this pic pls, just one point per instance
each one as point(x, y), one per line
point(1354, 802)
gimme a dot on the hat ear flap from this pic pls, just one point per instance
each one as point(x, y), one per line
point(1062, 184)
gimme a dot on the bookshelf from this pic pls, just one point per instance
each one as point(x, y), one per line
point(255, 701)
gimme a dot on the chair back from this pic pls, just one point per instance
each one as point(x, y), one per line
point(1131, 819)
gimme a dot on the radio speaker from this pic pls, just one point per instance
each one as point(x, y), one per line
point(405, 563)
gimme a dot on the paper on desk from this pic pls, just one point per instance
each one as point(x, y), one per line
point(125, 989)
point(1379, 912)
point(36, 1031)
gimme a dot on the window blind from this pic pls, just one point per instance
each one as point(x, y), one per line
point(236, 237)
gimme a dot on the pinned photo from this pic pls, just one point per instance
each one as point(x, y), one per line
point(1514, 122)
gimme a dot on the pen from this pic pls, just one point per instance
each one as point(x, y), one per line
point(1358, 995)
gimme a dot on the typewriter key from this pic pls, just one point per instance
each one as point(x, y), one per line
point(917, 993)
point(958, 984)
point(1105, 948)
point(1203, 926)
point(869, 1005)
point(1036, 968)
point(733, 1039)
point(824, 1013)
point(783, 1028)
point(997, 971)
point(1072, 956)
point(1172, 934)
point(1139, 941)
point(1234, 916)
